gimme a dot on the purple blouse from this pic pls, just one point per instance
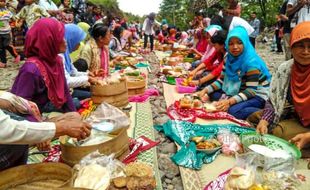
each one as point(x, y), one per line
point(30, 85)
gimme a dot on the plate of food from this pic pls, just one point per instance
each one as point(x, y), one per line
point(270, 141)
point(208, 146)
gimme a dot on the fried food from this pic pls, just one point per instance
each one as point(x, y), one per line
point(208, 144)
point(138, 169)
point(145, 183)
point(120, 182)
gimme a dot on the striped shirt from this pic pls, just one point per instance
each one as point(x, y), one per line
point(5, 17)
point(253, 83)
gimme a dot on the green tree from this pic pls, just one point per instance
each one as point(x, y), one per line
point(265, 9)
point(176, 12)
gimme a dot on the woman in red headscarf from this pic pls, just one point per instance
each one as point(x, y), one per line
point(41, 79)
point(291, 84)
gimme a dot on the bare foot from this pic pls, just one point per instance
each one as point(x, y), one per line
point(17, 59)
point(2, 65)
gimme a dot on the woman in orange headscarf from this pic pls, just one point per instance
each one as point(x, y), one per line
point(291, 84)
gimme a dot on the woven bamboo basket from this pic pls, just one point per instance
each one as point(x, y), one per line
point(37, 176)
point(119, 145)
point(135, 87)
point(114, 94)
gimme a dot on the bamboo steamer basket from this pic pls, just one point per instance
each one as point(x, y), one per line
point(138, 91)
point(114, 94)
point(119, 100)
point(37, 176)
point(135, 87)
point(119, 145)
point(109, 89)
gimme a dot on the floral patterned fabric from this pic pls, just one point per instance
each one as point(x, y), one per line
point(279, 88)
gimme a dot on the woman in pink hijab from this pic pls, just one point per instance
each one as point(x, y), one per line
point(41, 79)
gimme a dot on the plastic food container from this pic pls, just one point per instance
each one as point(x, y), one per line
point(184, 89)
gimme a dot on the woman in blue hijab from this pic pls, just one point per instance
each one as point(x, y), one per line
point(74, 35)
point(243, 86)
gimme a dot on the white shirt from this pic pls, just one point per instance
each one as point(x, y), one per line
point(75, 79)
point(48, 5)
point(237, 21)
point(24, 132)
point(149, 30)
point(302, 15)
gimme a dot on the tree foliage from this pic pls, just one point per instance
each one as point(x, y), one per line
point(183, 10)
point(176, 12)
point(265, 9)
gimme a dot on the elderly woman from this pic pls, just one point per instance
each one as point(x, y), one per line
point(291, 86)
point(243, 86)
point(41, 79)
point(96, 51)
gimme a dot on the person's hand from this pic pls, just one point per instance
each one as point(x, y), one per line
point(118, 58)
point(73, 128)
point(192, 73)
point(44, 146)
point(301, 140)
point(262, 127)
point(203, 95)
point(194, 83)
point(91, 74)
point(222, 105)
point(19, 23)
point(92, 80)
point(98, 73)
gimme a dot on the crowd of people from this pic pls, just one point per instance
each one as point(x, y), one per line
point(229, 71)
point(66, 47)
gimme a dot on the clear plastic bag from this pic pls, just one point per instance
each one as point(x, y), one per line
point(108, 113)
point(114, 166)
point(242, 176)
point(279, 173)
point(230, 142)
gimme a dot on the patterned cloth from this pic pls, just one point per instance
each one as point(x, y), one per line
point(175, 112)
point(219, 183)
point(5, 17)
point(31, 13)
point(278, 92)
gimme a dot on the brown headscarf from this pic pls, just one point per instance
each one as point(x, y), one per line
point(300, 77)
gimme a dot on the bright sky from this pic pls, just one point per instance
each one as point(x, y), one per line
point(139, 7)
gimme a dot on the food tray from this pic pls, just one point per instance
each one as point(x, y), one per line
point(184, 89)
point(271, 142)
